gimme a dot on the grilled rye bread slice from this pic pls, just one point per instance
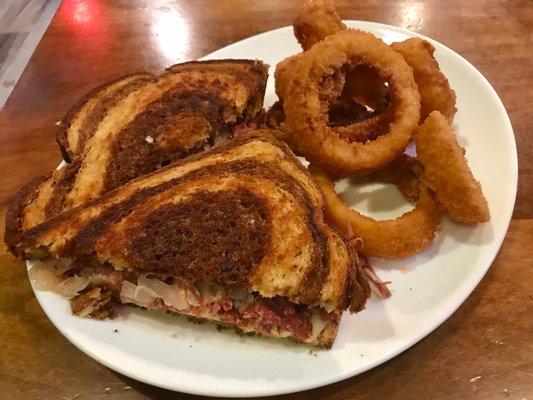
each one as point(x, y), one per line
point(243, 216)
point(246, 97)
point(138, 123)
point(81, 122)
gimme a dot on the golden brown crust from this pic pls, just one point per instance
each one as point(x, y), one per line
point(210, 266)
point(261, 135)
point(435, 91)
point(253, 73)
point(447, 173)
point(38, 200)
point(181, 122)
point(305, 122)
point(283, 74)
point(316, 19)
point(63, 179)
point(395, 238)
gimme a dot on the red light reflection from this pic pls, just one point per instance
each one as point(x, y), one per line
point(84, 17)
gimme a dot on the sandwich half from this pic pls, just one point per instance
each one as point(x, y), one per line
point(139, 123)
point(211, 96)
point(234, 236)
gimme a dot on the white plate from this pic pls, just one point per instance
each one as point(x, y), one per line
point(172, 353)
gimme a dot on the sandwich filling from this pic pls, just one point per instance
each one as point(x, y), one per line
point(96, 290)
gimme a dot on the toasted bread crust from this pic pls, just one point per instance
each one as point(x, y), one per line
point(104, 97)
point(37, 200)
point(306, 260)
point(61, 187)
point(16, 207)
point(254, 77)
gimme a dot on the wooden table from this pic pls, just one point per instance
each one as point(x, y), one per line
point(484, 351)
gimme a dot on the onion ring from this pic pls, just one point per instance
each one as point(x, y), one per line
point(318, 19)
point(364, 124)
point(435, 91)
point(315, 20)
point(362, 87)
point(392, 239)
point(405, 172)
point(447, 173)
point(308, 130)
point(283, 74)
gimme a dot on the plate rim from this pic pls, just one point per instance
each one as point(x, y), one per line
point(409, 342)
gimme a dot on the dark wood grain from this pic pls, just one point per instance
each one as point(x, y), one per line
point(89, 42)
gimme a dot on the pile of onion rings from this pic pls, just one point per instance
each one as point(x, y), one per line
point(362, 88)
point(309, 133)
point(318, 19)
point(351, 104)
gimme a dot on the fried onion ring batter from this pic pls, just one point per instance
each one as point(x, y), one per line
point(435, 91)
point(307, 124)
point(315, 20)
point(362, 87)
point(359, 84)
point(283, 74)
point(391, 239)
point(446, 172)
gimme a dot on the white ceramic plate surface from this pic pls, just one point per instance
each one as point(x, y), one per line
point(172, 353)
